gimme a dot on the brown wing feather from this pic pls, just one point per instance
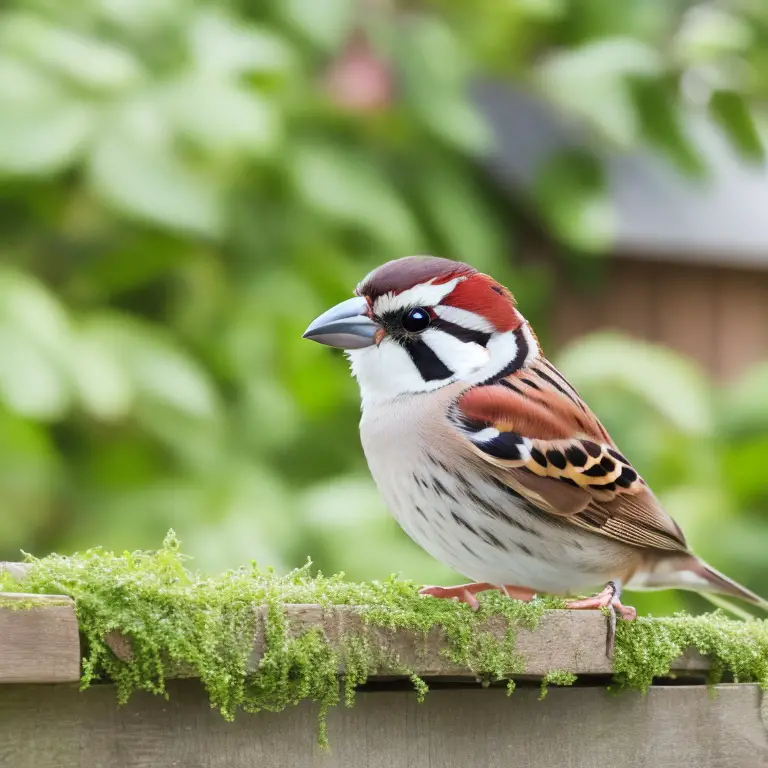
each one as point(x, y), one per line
point(572, 468)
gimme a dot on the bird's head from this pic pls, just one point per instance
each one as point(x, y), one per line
point(419, 323)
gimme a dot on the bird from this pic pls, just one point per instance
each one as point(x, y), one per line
point(486, 455)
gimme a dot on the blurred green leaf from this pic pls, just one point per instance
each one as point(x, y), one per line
point(225, 120)
point(663, 121)
point(224, 45)
point(326, 24)
point(99, 372)
point(347, 188)
point(46, 141)
point(86, 61)
point(597, 73)
point(436, 70)
point(34, 344)
point(140, 173)
point(675, 387)
point(744, 407)
point(572, 195)
point(733, 114)
point(468, 230)
point(708, 32)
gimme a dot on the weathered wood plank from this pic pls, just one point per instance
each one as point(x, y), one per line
point(39, 639)
point(41, 645)
point(572, 640)
point(671, 727)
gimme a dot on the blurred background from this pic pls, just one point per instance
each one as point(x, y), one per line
point(185, 185)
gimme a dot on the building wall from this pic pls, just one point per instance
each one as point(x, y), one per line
point(716, 315)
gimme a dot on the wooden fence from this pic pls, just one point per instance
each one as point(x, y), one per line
point(45, 722)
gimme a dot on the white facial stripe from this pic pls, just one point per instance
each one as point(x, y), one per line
point(502, 348)
point(386, 371)
point(465, 319)
point(461, 357)
point(423, 295)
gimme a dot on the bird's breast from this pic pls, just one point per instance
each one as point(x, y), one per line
point(463, 516)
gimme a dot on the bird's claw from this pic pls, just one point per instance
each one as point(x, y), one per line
point(463, 593)
point(609, 601)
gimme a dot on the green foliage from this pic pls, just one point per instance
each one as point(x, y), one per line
point(555, 677)
point(740, 647)
point(175, 620)
point(183, 186)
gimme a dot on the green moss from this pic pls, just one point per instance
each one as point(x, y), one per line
point(556, 677)
point(645, 648)
point(176, 619)
point(27, 604)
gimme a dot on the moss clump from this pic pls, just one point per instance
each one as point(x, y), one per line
point(556, 677)
point(27, 604)
point(175, 619)
point(645, 648)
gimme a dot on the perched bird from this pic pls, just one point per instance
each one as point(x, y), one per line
point(485, 454)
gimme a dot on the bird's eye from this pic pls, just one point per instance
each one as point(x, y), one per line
point(416, 320)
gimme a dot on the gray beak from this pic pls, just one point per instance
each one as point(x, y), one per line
point(346, 326)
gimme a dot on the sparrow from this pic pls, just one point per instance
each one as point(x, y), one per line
point(488, 457)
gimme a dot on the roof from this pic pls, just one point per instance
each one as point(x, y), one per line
point(660, 213)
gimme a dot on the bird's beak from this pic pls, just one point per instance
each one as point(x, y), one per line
point(346, 326)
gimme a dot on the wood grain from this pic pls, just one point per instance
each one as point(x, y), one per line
point(39, 639)
point(41, 645)
point(670, 727)
point(742, 322)
point(571, 640)
point(685, 312)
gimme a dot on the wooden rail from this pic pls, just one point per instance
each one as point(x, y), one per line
point(459, 725)
point(41, 644)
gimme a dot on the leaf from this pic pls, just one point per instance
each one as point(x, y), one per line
point(436, 72)
point(45, 141)
point(591, 82)
point(34, 346)
point(31, 383)
point(223, 45)
point(164, 373)
point(731, 111)
point(99, 372)
point(224, 118)
point(348, 188)
point(744, 405)
point(135, 168)
point(674, 386)
point(87, 62)
point(326, 24)
point(707, 33)
point(468, 229)
point(663, 125)
point(571, 193)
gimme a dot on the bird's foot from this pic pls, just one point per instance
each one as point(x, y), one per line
point(608, 598)
point(465, 593)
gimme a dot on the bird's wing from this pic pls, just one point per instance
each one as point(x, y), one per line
point(546, 444)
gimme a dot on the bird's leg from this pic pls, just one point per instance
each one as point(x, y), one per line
point(608, 598)
point(517, 593)
point(465, 593)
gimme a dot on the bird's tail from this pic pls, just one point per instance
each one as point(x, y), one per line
point(689, 572)
point(722, 585)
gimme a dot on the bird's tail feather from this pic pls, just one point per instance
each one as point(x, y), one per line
point(722, 585)
point(694, 574)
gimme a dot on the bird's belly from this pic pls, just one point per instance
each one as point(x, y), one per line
point(484, 531)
